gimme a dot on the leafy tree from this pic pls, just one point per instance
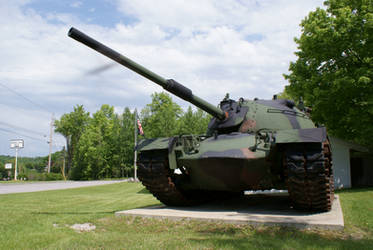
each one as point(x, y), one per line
point(160, 118)
point(89, 156)
point(25, 165)
point(3, 171)
point(334, 69)
point(71, 126)
point(104, 142)
point(284, 95)
point(194, 122)
point(105, 148)
point(122, 144)
point(57, 162)
point(125, 144)
point(92, 159)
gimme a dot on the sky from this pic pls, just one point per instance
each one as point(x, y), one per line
point(240, 47)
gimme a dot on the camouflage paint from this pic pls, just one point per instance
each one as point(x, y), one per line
point(227, 163)
point(153, 144)
point(301, 135)
point(272, 115)
point(239, 160)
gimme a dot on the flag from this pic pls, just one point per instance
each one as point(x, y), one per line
point(139, 128)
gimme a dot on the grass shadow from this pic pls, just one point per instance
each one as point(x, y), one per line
point(143, 191)
point(74, 213)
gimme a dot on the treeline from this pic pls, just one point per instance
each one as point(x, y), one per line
point(32, 168)
point(101, 145)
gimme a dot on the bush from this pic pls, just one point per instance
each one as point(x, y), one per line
point(53, 176)
point(22, 176)
point(35, 176)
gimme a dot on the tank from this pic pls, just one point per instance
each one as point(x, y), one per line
point(249, 145)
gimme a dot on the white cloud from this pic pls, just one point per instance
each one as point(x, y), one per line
point(208, 35)
point(76, 4)
point(213, 47)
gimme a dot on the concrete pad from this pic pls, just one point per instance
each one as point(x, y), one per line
point(251, 209)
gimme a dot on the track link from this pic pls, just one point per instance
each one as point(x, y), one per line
point(155, 175)
point(309, 177)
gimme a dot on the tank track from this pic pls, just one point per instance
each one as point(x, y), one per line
point(309, 177)
point(155, 175)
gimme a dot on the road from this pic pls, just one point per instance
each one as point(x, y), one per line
point(25, 187)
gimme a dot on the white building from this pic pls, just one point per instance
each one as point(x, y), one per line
point(350, 169)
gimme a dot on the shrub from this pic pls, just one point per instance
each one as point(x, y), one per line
point(35, 176)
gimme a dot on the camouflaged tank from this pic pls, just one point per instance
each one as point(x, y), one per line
point(249, 145)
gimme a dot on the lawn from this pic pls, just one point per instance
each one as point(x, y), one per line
point(42, 220)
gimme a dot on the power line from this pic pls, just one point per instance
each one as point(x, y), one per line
point(21, 128)
point(29, 130)
point(25, 98)
point(55, 144)
point(16, 133)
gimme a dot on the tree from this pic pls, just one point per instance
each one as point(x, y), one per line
point(334, 69)
point(94, 149)
point(71, 126)
point(105, 148)
point(160, 118)
point(194, 122)
point(125, 144)
point(102, 146)
point(57, 161)
point(284, 95)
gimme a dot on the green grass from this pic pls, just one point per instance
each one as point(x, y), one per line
point(41, 220)
point(357, 206)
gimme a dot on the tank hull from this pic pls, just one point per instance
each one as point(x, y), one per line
point(188, 170)
point(228, 174)
point(226, 163)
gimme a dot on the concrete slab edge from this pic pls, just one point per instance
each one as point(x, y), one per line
point(338, 222)
point(239, 222)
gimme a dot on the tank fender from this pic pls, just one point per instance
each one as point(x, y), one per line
point(160, 144)
point(153, 144)
point(301, 135)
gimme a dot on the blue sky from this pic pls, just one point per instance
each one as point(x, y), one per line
point(100, 12)
point(212, 47)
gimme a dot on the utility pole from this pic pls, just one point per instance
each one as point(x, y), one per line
point(50, 143)
point(15, 168)
point(64, 161)
point(135, 156)
point(16, 144)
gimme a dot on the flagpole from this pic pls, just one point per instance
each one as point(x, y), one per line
point(135, 156)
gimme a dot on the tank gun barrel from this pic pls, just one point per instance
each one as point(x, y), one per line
point(168, 84)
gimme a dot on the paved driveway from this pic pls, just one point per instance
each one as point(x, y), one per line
point(23, 187)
